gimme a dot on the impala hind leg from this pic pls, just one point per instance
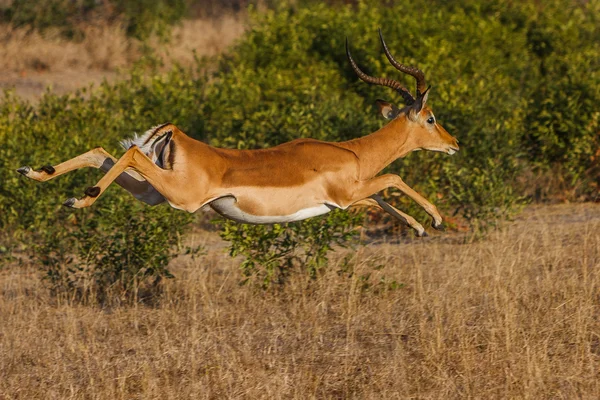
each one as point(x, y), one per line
point(156, 177)
point(95, 158)
point(379, 183)
point(101, 159)
point(377, 201)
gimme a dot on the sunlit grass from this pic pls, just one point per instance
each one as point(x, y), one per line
point(510, 316)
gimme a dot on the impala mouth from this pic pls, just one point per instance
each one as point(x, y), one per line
point(452, 150)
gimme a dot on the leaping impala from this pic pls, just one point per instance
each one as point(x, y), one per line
point(290, 182)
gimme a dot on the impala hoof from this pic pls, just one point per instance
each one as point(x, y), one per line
point(424, 234)
point(70, 202)
point(439, 227)
point(92, 191)
point(24, 170)
point(49, 169)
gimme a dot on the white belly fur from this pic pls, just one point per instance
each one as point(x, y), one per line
point(227, 207)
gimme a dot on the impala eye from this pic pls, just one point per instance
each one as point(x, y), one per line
point(431, 120)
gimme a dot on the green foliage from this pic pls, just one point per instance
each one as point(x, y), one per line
point(273, 252)
point(140, 17)
point(41, 15)
point(118, 253)
point(114, 246)
point(516, 83)
point(562, 119)
point(482, 195)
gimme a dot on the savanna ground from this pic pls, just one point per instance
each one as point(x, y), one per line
point(511, 315)
point(514, 315)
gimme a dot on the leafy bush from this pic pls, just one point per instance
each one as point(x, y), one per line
point(120, 253)
point(114, 246)
point(272, 253)
point(562, 117)
point(516, 83)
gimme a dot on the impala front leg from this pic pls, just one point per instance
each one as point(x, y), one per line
point(377, 201)
point(133, 158)
point(379, 183)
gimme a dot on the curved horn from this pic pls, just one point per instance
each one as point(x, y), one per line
point(412, 71)
point(408, 98)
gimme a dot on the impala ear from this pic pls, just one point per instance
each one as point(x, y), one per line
point(421, 100)
point(388, 110)
point(417, 106)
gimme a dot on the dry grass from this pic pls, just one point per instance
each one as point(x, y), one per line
point(31, 61)
point(512, 316)
point(203, 37)
point(105, 47)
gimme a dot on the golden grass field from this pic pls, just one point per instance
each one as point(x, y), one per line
point(515, 315)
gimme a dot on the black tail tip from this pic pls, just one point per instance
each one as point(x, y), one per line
point(24, 170)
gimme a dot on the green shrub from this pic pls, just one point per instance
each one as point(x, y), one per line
point(119, 245)
point(516, 83)
point(272, 253)
point(118, 253)
point(562, 119)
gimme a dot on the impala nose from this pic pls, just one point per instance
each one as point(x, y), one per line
point(453, 148)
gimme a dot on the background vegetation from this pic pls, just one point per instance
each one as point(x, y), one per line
point(517, 83)
point(511, 314)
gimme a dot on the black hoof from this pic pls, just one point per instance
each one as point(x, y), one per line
point(439, 227)
point(49, 169)
point(24, 170)
point(424, 234)
point(70, 202)
point(92, 191)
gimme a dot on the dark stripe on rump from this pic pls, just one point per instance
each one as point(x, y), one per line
point(171, 154)
point(158, 128)
point(158, 139)
point(160, 159)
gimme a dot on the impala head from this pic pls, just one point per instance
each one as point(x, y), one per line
point(416, 117)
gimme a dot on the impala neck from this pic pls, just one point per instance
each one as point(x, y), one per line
point(379, 149)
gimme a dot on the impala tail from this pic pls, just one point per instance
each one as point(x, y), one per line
point(156, 143)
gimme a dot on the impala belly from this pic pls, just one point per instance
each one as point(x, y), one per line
point(270, 205)
point(230, 208)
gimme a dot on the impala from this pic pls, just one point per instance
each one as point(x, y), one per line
point(290, 182)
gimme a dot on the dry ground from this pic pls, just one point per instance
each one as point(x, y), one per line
point(32, 62)
point(512, 316)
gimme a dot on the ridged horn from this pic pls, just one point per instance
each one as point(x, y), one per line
point(408, 98)
point(412, 71)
